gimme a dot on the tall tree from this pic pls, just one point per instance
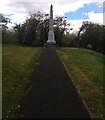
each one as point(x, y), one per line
point(61, 25)
point(92, 34)
point(3, 26)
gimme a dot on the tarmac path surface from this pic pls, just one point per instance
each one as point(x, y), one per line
point(51, 93)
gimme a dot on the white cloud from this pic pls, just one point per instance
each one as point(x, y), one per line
point(20, 9)
point(75, 25)
point(96, 17)
point(92, 17)
point(19, 18)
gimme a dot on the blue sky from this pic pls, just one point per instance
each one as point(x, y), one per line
point(76, 11)
point(79, 14)
point(8, 15)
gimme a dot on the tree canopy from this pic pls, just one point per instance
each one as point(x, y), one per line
point(34, 32)
point(91, 36)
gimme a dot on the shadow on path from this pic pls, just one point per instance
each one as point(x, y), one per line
point(52, 93)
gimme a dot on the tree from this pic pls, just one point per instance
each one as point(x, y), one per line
point(92, 34)
point(67, 39)
point(26, 33)
point(44, 28)
point(6, 36)
point(61, 25)
point(34, 30)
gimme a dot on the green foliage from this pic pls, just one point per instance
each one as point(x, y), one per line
point(61, 25)
point(91, 34)
point(34, 31)
point(8, 37)
point(66, 41)
point(3, 19)
point(26, 33)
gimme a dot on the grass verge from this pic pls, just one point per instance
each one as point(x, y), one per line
point(86, 69)
point(18, 63)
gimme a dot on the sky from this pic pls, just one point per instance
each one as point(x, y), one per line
point(76, 11)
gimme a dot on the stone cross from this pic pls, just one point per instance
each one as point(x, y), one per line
point(51, 38)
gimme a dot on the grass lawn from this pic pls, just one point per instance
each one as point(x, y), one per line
point(18, 63)
point(86, 70)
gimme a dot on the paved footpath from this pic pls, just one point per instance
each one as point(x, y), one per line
point(51, 91)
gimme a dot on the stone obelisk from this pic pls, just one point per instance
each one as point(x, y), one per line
point(51, 39)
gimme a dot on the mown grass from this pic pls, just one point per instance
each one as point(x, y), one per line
point(86, 69)
point(17, 65)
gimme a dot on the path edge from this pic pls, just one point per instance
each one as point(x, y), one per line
point(78, 91)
